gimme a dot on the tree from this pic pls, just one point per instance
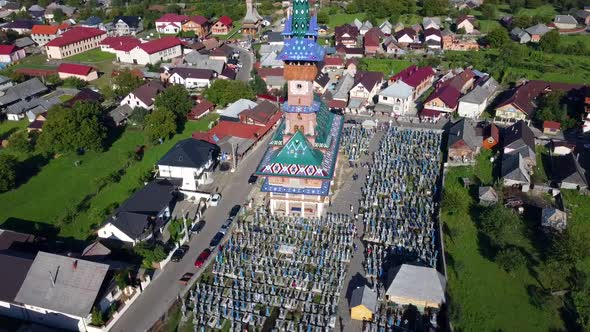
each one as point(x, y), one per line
point(175, 99)
point(161, 123)
point(258, 85)
point(223, 92)
point(19, 141)
point(97, 319)
point(150, 254)
point(498, 37)
point(510, 259)
point(581, 301)
point(137, 118)
point(553, 107)
point(488, 11)
point(455, 201)
point(52, 79)
point(435, 7)
point(515, 5)
point(74, 82)
point(550, 42)
point(323, 17)
point(67, 130)
point(58, 15)
point(499, 224)
point(125, 82)
point(8, 164)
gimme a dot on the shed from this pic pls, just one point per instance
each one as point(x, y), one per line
point(554, 218)
point(487, 196)
point(363, 303)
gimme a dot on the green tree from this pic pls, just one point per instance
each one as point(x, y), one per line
point(74, 82)
point(58, 15)
point(223, 92)
point(150, 253)
point(161, 123)
point(455, 200)
point(581, 301)
point(323, 17)
point(258, 85)
point(125, 82)
point(137, 118)
point(510, 259)
point(8, 164)
point(97, 319)
point(498, 37)
point(175, 99)
point(550, 42)
point(19, 141)
point(515, 5)
point(499, 224)
point(52, 79)
point(67, 130)
point(488, 11)
point(435, 7)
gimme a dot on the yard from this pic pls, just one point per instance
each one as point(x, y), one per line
point(572, 39)
point(387, 66)
point(60, 185)
point(483, 296)
point(342, 18)
point(545, 11)
point(37, 61)
point(92, 56)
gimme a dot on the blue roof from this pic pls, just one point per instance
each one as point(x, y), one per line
point(324, 190)
point(287, 30)
point(302, 50)
point(313, 108)
point(313, 27)
point(93, 20)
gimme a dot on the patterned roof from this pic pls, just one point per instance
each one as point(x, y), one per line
point(298, 49)
point(298, 151)
point(324, 190)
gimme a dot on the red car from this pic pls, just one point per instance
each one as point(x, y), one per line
point(202, 258)
point(186, 278)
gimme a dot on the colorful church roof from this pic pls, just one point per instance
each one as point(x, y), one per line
point(299, 49)
point(298, 151)
point(301, 31)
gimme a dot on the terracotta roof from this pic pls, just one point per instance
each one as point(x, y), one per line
point(200, 20)
point(262, 113)
point(225, 20)
point(44, 29)
point(351, 30)
point(171, 17)
point(75, 69)
point(75, 35)
point(551, 125)
point(158, 45)
point(200, 109)
point(7, 49)
point(237, 129)
point(524, 96)
point(337, 104)
point(333, 61)
point(122, 43)
point(413, 75)
point(369, 79)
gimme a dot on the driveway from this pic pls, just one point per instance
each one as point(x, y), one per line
point(164, 289)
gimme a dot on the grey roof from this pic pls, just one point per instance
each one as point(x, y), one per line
point(398, 89)
point(364, 296)
point(22, 90)
point(131, 21)
point(514, 168)
point(482, 92)
point(487, 194)
point(96, 249)
point(430, 20)
point(271, 60)
point(552, 217)
point(275, 81)
point(23, 42)
point(32, 113)
point(241, 145)
point(265, 49)
point(565, 19)
point(252, 15)
point(190, 153)
point(357, 23)
point(120, 113)
point(147, 93)
point(539, 29)
point(64, 284)
point(418, 283)
point(35, 8)
point(583, 14)
point(274, 37)
point(366, 25)
point(519, 135)
point(39, 105)
point(196, 73)
point(4, 79)
point(568, 170)
point(203, 62)
point(237, 107)
point(464, 130)
point(343, 87)
point(14, 273)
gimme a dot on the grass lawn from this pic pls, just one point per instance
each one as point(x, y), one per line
point(60, 184)
point(342, 18)
point(37, 61)
point(485, 26)
point(409, 19)
point(233, 34)
point(92, 56)
point(9, 127)
point(578, 208)
point(486, 297)
point(387, 66)
point(572, 39)
point(540, 172)
point(545, 10)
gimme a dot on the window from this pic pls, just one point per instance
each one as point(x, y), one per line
point(299, 86)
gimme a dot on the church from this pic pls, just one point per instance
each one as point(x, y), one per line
point(299, 164)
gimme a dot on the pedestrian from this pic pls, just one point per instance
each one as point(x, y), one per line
point(355, 247)
point(351, 208)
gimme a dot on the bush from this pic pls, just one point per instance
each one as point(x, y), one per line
point(510, 259)
point(150, 254)
point(97, 319)
point(8, 166)
point(19, 141)
point(74, 82)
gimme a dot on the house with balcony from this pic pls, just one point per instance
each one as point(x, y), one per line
point(126, 26)
point(197, 24)
point(395, 100)
point(365, 87)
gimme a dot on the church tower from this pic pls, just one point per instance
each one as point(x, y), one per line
point(251, 23)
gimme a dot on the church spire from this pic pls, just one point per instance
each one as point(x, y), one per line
point(300, 20)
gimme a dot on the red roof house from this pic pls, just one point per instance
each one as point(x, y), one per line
point(170, 23)
point(82, 72)
point(551, 127)
point(11, 53)
point(200, 110)
point(122, 43)
point(444, 99)
point(223, 26)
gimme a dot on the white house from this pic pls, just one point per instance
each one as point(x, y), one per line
point(144, 214)
point(144, 96)
point(191, 78)
point(395, 100)
point(152, 52)
point(565, 22)
point(170, 23)
point(190, 160)
point(475, 102)
point(10, 54)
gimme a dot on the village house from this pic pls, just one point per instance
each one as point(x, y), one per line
point(20, 26)
point(487, 196)
point(260, 114)
point(477, 100)
point(346, 35)
point(74, 41)
point(233, 110)
point(433, 38)
point(93, 22)
point(82, 72)
point(565, 22)
point(332, 63)
point(520, 35)
point(444, 99)
point(10, 54)
point(363, 303)
point(273, 77)
point(190, 161)
point(395, 100)
point(422, 287)
point(365, 87)
point(519, 139)
point(126, 26)
point(197, 24)
point(222, 26)
point(372, 41)
point(170, 23)
point(67, 10)
point(341, 92)
point(43, 34)
point(350, 52)
point(451, 42)
point(142, 215)
point(551, 127)
point(320, 84)
point(202, 61)
point(191, 78)
point(561, 148)
point(143, 96)
point(386, 28)
point(119, 116)
point(19, 93)
point(567, 172)
point(537, 31)
point(419, 78)
point(463, 143)
point(202, 108)
point(515, 172)
point(466, 23)
point(391, 46)
point(118, 44)
point(431, 23)
point(406, 37)
point(151, 52)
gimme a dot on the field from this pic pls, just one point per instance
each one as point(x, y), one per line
point(386, 66)
point(545, 10)
point(483, 296)
point(92, 56)
point(342, 18)
point(60, 185)
point(572, 39)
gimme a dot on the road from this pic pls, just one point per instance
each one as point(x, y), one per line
point(247, 61)
point(164, 289)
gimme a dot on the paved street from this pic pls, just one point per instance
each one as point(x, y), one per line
point(247, 61)
point(158, 297)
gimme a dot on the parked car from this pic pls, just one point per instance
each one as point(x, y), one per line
point(179, 253)
point(216, 239)
point(214, 201)
point(227, 223)
point(198, 226)
point(252, 179)
point(185, 278)
point(202, 258)
point(234, 211)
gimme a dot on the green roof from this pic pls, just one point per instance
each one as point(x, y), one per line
point(298, 151)
point(324, 123)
